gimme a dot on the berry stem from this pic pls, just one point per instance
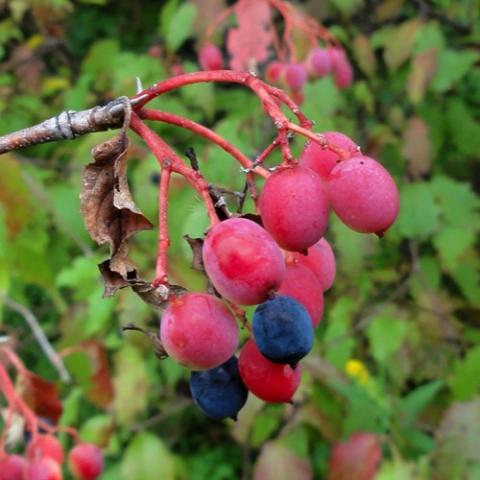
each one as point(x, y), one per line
point(163, 152)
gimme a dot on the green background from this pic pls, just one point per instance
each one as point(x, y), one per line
point(406, 308)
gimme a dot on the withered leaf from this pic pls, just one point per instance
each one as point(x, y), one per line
point(196, 245)
point(41, 396)
point(108, 210)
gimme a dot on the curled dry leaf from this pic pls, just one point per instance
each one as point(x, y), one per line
point(196, 245)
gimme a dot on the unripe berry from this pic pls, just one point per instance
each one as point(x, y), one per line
point(274, 72)
point(46, 446)
point(363, 195)
point(319, 62)
point(295, 76)
point(12, 467)
point(341, 68)
point(43, 469)
point(210, 57)
point(242, 260)
point(86, 461)
point(198, 331)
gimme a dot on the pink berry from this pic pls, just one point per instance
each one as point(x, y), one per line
point(295, 76)
point(363, 195)
point(210, 57)
point(86, 461)
point(274, 72)
point(341, 68)
point(301, 284)
point(320, 259)
point(43, 469)
point(242, 261)
point(272, 382)
point(319, 62)
point(198, 331)
point(356, 458)
point(45, 446)
point(322, 160)
point(12, 467)
point(293, 207)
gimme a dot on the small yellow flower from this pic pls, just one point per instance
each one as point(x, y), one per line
point(358, 371)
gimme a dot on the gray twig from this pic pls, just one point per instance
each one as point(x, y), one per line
point(39, 334)
point(69, 125)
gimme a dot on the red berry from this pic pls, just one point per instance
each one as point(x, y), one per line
point(86, 461)
point(319, 62)
point(294, 209)
point(272, 382)
point(341, 68)
point(242, 261)
point(43, 469)
point(46, 446)
point(356, 458)
point(320, 259)
point(12, 467)
point(274, 72)
point(210, 57)
point(322, 160)
point(363, 195)
point(198, 331)
point(301, 284)
point(295, 76)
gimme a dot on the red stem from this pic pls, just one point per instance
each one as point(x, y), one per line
point(161, 277)
point(204, 132)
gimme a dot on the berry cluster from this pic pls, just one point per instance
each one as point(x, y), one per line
point(288, 63)
point(280, 262)
point(44, 457)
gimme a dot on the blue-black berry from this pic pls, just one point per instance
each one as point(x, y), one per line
point(219, 392)
point(283, 330)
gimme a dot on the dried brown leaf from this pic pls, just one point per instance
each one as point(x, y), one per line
point(196, 244)
point(417, 147)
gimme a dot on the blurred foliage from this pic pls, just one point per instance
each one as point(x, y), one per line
point(398, 352)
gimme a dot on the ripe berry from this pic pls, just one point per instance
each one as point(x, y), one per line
point(242, 261)
point(198, 331)
point(341, 68)
point(86, 461)
point(301, 284)
point(320, 259)
point(269, 381)
point(319, 63)
point(43, 469)
point(295, 76)
point(283, 330)
point(322, 160)
point(274, 72)
point(46, 446)
point(293, 206)
point(363, 195)
point(12, 467)
point(219, 392)
point(210, 57)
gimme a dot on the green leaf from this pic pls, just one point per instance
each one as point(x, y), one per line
point(147, 458)
point(419, 214)
point(464, 128)
point(465, 379)
point(452, 66)
point(467, 276)
point(412, 405)
point(180, 26)
point(386, 334)
point(338, 342)
point(132, 384)
point(451, 243)
point(400, 43)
